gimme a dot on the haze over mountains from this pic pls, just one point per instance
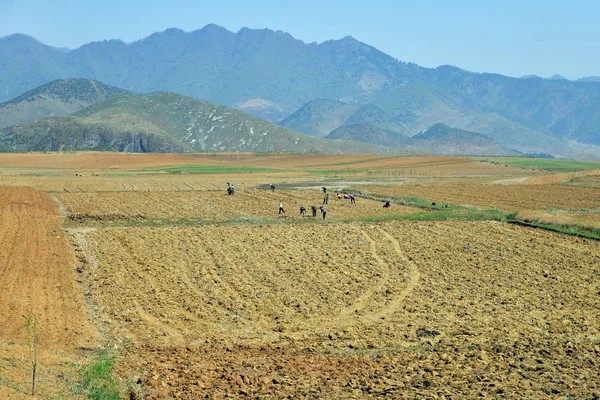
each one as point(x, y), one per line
point(276, 77)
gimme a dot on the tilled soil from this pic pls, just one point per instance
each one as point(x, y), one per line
point(411, 309)
point(529, 369)
point(508, 198)
point(217, 206)
point(37, 270)
point(37, 280)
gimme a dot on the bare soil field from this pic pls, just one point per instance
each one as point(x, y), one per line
point(204, 295)
point(37, 267)
point(217, 206)
point(37, 279)
point(504, 197)
point(586, 181)
point(451, 308)
point(119, 181)
point(54, 373)
point(97, 161)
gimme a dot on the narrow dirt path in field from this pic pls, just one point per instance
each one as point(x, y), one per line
point(37, 273)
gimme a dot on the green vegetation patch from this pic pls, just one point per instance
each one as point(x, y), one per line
point(97, 381)
point(545, 163)
point(572, 230)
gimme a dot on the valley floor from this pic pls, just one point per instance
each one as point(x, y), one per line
point(197, 294)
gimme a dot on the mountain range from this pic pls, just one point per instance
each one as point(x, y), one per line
point(158, 122)
point(276, 77)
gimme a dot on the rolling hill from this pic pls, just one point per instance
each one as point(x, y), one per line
point(443, 140)
point(439, 139)
point(319, 117)
point(59, 97)
point(168, 122)
point(371, 134)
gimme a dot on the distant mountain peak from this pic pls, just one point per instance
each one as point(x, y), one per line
point(214, 28)
point(557, 77)
point(21, 39)
point(530, 76)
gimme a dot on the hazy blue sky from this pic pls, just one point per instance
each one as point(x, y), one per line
point(508, 37)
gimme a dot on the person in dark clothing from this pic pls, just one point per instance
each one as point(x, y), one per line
point(323, 211)
point(314, 210)
point(386, 205)
point(272, 187)
point(324, 189)
point(326, 198)
point(302, 210)
point(352, 199)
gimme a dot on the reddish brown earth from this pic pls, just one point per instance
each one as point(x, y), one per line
point(37, 266)
point(37, 278)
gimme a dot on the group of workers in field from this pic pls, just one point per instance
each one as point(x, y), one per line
point(313, 208)
point(350, 196)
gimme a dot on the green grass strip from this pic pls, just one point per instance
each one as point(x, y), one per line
point(544, 163)
point(97, 381)
point(571, 230)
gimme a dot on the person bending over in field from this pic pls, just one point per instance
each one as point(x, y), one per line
point(323, 211)
point(314, 210)
point(386, 205)
point(272, 187)
point(302, 210)
point(281, 210)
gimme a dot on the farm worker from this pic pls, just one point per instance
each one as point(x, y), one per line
point(302, 210)
point(314, 210)
point(272, 187)
point(352, 199)
point(326, 198)
point(323, 211)
point(281, 210)
point(386, 205)
point(324, 189)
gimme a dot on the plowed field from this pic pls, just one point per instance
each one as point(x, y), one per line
point(504, 197)
point(204, 295)
point(37, 278)
point(37, 270)
point(476, 308)
point(216, 206)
